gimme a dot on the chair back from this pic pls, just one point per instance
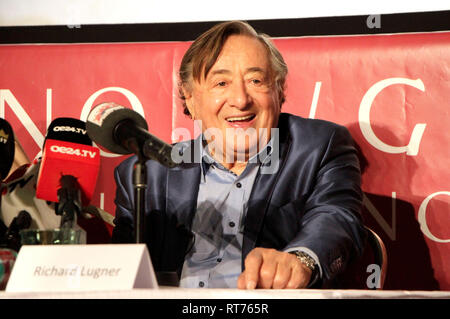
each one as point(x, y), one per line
point(369, 271)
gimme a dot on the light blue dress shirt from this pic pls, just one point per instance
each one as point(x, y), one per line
point(218, 225)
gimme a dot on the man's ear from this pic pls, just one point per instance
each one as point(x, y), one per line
point(189, 100)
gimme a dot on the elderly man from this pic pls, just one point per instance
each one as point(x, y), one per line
point(261, 198)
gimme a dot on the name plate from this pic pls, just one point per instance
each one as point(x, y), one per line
point(82, 268)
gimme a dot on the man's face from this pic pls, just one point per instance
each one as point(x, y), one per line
point(238, 93)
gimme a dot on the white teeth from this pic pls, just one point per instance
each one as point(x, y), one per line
point(242, 118)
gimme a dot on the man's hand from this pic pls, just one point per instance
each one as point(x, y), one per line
point(269, 268)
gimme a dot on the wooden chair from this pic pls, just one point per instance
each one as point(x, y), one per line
point(379, 252)
point(368, 271)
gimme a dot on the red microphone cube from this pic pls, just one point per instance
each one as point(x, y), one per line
point(66, 158)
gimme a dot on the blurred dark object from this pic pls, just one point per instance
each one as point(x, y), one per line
point(12, 236)
point(20, 159)
point(7, 148)
point(168, 278)
point(69, 201)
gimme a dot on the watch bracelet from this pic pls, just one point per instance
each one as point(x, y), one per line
point(305, 259)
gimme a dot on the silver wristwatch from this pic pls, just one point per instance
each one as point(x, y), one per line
point(306, 259)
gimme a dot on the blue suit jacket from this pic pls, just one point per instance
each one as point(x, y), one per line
point(313, 200)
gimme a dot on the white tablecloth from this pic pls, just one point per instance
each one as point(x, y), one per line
point(199, 293)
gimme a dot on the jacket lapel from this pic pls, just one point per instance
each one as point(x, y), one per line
point(262, 191)
point(182, 188)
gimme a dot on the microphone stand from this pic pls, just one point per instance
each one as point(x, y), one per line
point(137, 141)
point(140, 186)
point(145, 149)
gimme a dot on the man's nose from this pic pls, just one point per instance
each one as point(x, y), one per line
point(239, 96)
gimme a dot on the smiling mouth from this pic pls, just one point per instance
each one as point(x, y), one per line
point(237, 119)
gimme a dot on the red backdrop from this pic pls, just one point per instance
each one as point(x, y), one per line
point(391, 91)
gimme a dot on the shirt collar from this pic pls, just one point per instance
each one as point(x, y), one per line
point(262, 157)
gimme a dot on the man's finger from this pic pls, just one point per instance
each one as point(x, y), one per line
point(300, 276)
point(252, 266)
point(282, 276)
point(267, 273)
point(241, 284)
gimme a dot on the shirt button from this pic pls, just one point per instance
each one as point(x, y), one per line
point(238, 185)
point(231, 224)
point(201, 284)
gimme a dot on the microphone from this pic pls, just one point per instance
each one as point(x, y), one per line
point(69, 162)
point(7, 148)
point(124, 131)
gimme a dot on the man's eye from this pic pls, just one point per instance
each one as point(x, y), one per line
point(221, 83)
point(256, 81)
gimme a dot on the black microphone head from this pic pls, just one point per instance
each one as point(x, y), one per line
point(102, 121)
point(7, 148)
point(69, 130)
point(23, 219)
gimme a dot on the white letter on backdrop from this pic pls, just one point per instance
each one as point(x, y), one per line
point(364, 118)
point(421, 216)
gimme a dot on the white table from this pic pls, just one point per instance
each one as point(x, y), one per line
point(199, 293)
